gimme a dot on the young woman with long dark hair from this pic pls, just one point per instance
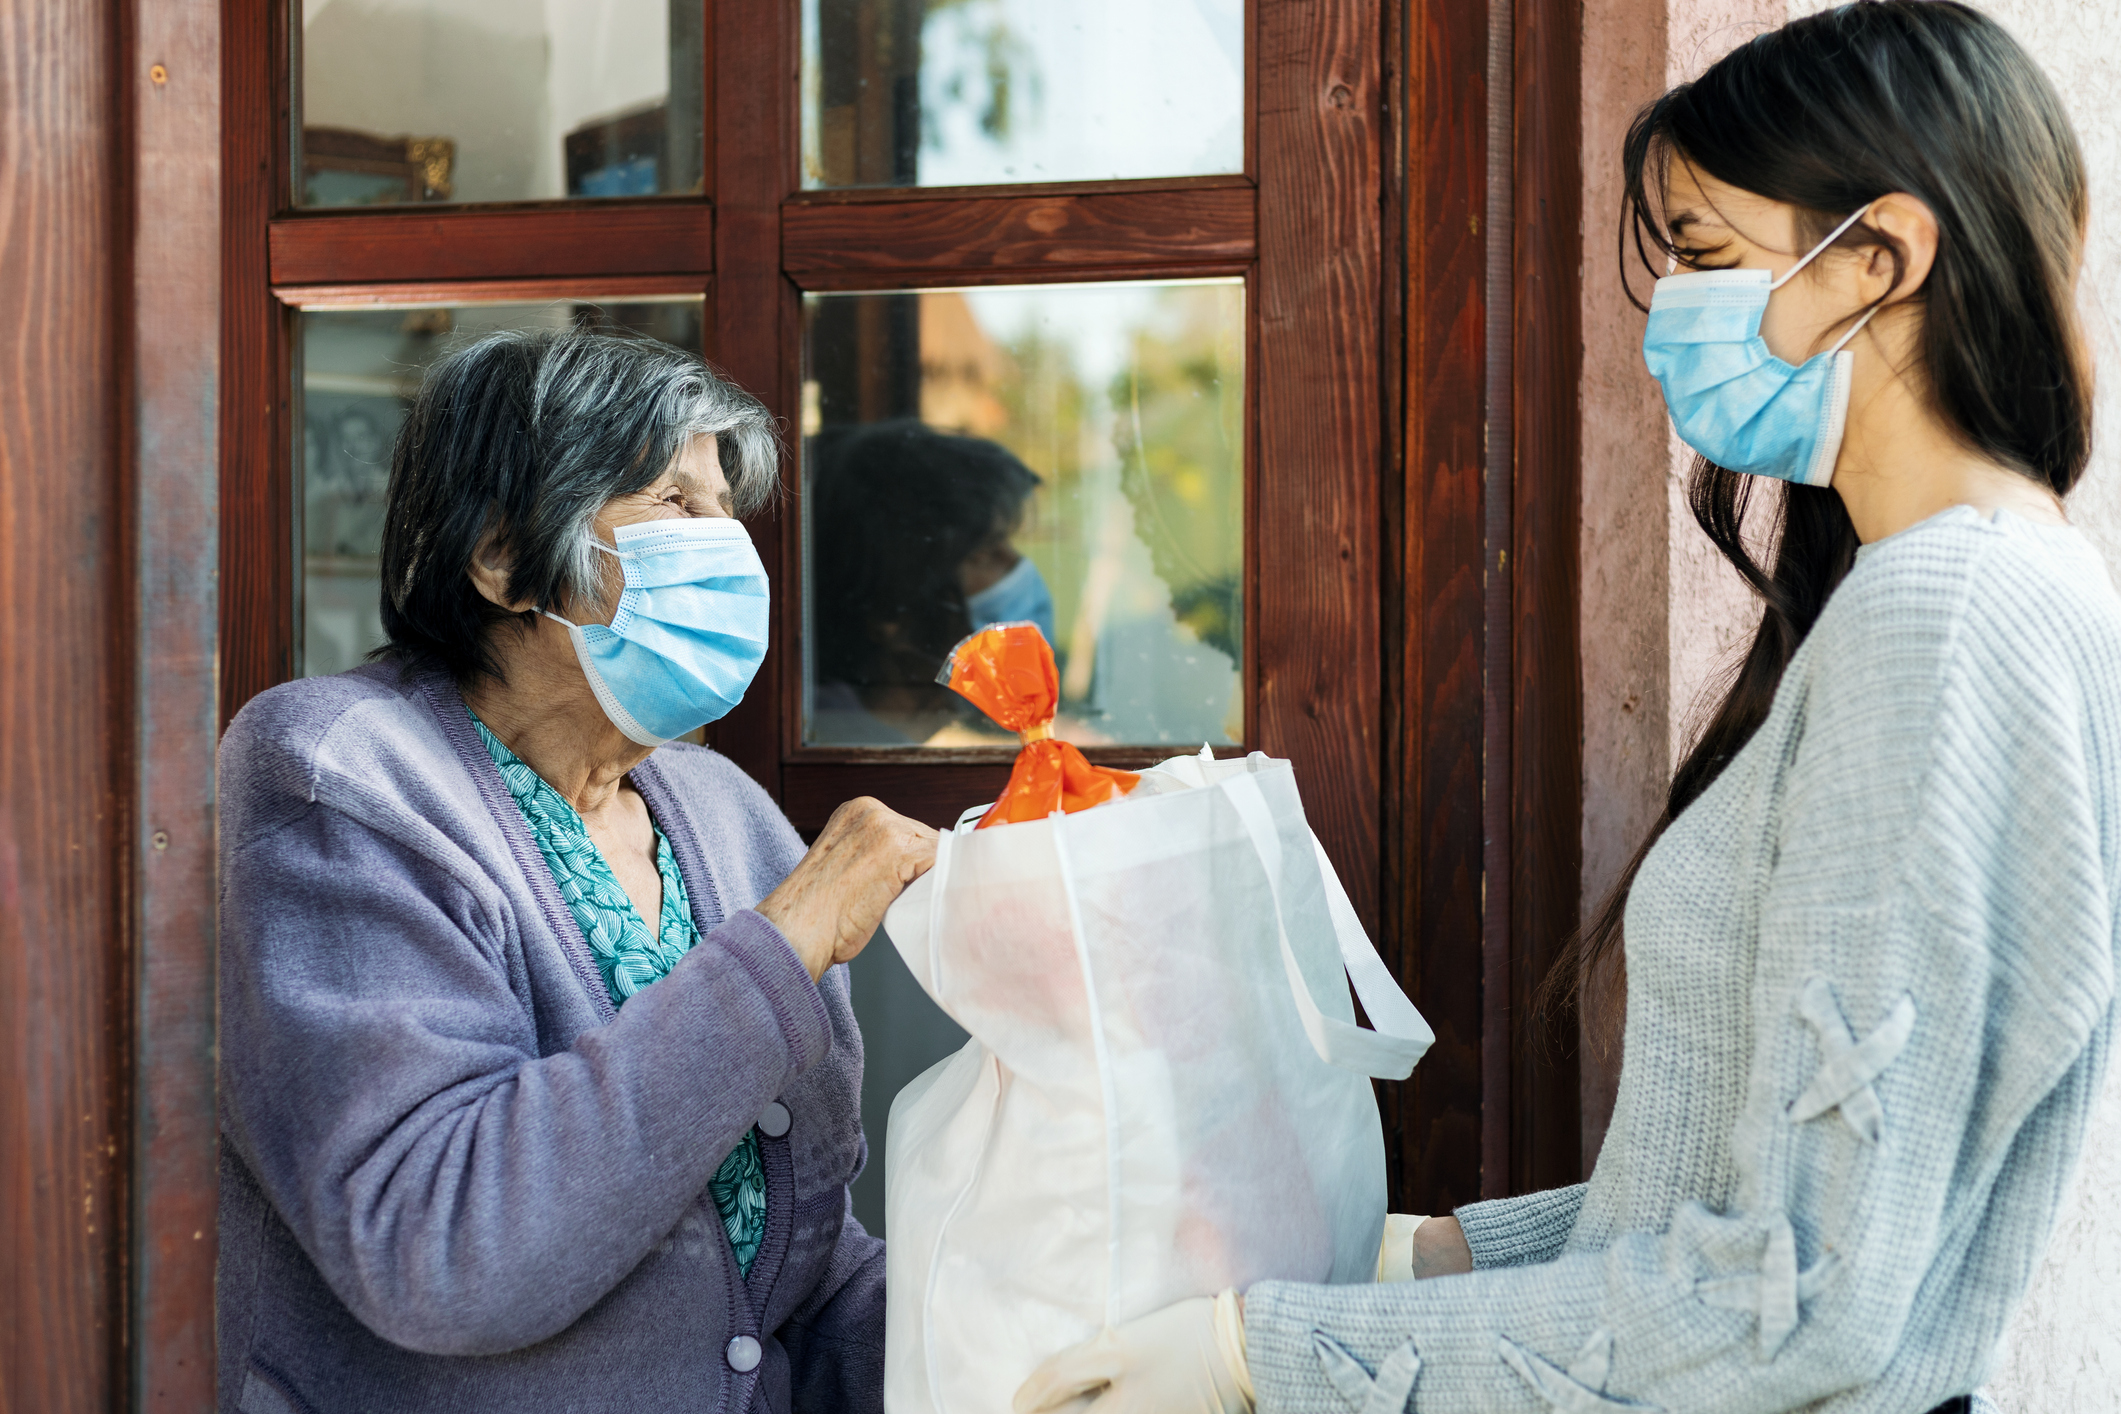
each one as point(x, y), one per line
point(1863, 969)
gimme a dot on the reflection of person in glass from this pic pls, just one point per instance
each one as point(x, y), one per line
point(911, 548)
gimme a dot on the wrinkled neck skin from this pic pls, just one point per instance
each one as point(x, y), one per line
point(543, 710)
point(541, 706)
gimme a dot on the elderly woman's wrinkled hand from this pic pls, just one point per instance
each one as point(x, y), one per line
point(830, 905)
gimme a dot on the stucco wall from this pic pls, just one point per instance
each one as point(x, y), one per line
point(1662, 614)
point(1658, 603)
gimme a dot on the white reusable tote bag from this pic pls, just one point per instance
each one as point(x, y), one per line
point(1165, 1093)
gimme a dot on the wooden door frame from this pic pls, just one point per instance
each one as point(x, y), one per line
point(1312, 254)
point(1463, 645)
point(1484, 810)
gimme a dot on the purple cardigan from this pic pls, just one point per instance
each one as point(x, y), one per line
point(452, 1178)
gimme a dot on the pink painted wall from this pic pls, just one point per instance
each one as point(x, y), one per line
point(1662, 615)
point(1658, 604)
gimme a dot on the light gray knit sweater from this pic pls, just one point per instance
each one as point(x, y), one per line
point(1870, 983)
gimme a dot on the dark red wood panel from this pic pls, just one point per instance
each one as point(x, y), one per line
point(1546, 792)
point(176, 323)
point(933, 794)
point(752, 312)
point(1112, 229)
point(612, 287)
point(1316, 478)
point(1433, 940)
point(414, 245)
point(64, 753)
point(257, 488)
point(1498, 669)
point(913, 277)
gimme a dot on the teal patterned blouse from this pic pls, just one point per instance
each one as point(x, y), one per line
point(629, 956)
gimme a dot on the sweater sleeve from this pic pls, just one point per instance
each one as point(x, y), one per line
point(1509, 1232)
point(461, 1193)
point(1934, 953)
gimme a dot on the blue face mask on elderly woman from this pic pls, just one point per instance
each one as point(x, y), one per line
point(1731, 399)
point(689, 631)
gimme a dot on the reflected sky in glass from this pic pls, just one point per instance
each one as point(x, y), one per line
point(974, 92)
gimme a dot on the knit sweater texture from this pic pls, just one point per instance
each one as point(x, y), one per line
point(453, 1176)
point(1870, 987)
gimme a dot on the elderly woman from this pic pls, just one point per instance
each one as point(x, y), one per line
point(539, 1083)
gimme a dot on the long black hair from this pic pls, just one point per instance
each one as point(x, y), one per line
point(1826, 114)
point(895, 509)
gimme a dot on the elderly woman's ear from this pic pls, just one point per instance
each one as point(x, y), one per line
point(490, 570)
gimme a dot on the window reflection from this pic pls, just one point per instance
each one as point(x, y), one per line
point(970, 92)
point(1069, 455)
point(360, 369)
point(493, 100)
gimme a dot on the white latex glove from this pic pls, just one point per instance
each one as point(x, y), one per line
point(1395, 1255)
point(1185, 1359)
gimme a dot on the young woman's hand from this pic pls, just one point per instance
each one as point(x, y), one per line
point(1440, 1249)
point(830, 904)
point(1188, 1358)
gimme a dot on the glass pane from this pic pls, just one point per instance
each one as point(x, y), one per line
point(359, 371)
point(939, 93)
point(496, 100)
point(1067, 454)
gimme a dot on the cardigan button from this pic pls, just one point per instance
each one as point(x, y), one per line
point(743, 1354)
point(774, 1123)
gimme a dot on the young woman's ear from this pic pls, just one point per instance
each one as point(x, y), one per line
point(1909, 223)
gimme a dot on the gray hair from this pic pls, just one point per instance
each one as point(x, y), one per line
point(691, 400)
point(527, 436)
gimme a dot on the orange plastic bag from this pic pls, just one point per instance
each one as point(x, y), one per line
point(1006, 670)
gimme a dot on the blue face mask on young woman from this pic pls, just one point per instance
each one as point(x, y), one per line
point(689, 631)
point(1732, 400)
point(1020, 596)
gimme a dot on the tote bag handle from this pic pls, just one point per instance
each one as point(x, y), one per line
point(1390, 1051)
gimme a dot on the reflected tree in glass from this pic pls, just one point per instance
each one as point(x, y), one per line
point(1071, 455)
point(974, 92)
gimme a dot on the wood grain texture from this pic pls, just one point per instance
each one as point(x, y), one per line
point(873, 196)
point(752, 313)
point(447, 292)
point(63, 682)
point(412, 246)
point(1029, 233)
point(1497, 669)
point(256, 484)
point(953, 276)
point(1315, 478)
point(931, 793)
point(1433, 935)
point(176, 324)
point(1546, 793)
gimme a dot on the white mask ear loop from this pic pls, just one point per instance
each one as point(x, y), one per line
point(615, 554)
point(1854, 329)
point(1813, 254)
